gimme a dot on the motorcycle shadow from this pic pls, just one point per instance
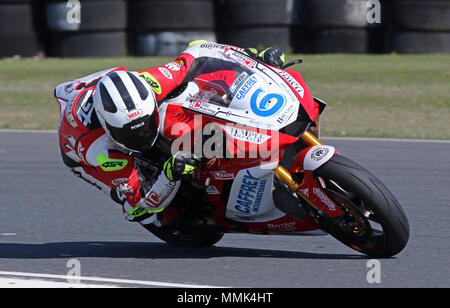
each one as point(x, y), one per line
point(149, 250)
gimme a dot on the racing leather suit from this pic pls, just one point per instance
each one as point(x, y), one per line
point(139, 186)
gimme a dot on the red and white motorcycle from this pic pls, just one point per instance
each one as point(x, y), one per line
point(265, 171)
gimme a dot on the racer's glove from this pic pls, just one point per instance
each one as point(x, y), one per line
point(272, 56)
point(182, 163)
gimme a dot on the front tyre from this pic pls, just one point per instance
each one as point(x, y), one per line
point(374, 222)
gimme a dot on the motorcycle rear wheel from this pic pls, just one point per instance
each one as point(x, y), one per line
point(374, 222)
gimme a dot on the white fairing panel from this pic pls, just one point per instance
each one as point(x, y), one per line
point(250, 197)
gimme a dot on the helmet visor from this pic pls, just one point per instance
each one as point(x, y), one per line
point(138, 135)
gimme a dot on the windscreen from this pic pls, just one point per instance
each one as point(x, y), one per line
point(219, 79)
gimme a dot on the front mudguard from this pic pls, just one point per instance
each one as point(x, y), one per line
point(311, 158)
point(310, 188)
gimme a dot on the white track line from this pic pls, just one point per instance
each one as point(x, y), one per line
point(35, 283)
point(68, 278)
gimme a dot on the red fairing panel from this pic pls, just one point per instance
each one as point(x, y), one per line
point(307, 101)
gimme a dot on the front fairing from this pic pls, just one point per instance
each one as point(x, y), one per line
point(235, 88)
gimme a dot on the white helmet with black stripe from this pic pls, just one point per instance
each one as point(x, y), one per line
point(126, 108)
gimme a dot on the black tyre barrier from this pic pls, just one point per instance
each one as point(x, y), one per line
point(284, 23)
point(332, 40)
point(17, 34)
point(419, 42)
point(332, 13)
point(338, 40)
point(16, 18)
point(169, 43)
point(258, 37)
point(23, 44)
point(237, 13)
point(422, 15)
point(95, 15)
point(378, 25)
point(98, 44)
point(15, 1)
point(376, 41)
point(147, 15)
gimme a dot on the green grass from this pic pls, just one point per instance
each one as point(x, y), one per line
point(393, 96)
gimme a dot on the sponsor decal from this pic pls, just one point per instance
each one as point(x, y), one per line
point(195, 104)
point(220, 46)
point(213, 45)
point(68, 88)
point(269, 105)
point(238, 81)
point(242, 92)
point(200, 106)
point(108, 164)
point(244, 60)
point(134, 114)
point(250, 194)
point(228, 48)
point(283, 227)
point(173, 66)
point(137, 211)
point(69, 116)
point(119, 181)
point(324, 198)
point(125, 188)
point(152, 199)
point(165, 72)
point(319, 153)
point(317, 156)
point(222, 175)
point(291, 80)
point(286, 115)
point(85, 112)
point(137, 125)
point(245, 135)
point(154, 84)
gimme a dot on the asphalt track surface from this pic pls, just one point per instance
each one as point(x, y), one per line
point(50, 217)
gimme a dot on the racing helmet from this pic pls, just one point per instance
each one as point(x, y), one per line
point(127, 110)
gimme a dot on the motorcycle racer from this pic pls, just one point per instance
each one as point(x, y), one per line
point(111, 117)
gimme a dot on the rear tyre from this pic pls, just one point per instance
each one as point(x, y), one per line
point(374, 223)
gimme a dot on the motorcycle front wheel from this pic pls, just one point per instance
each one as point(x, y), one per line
point(374, 222)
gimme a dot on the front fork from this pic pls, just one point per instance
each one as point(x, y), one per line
point(286, 177)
